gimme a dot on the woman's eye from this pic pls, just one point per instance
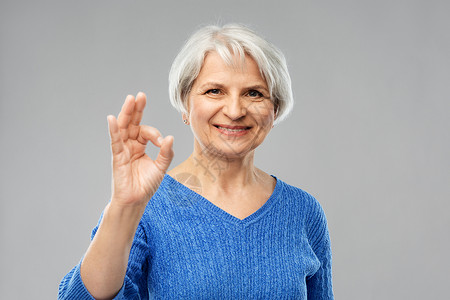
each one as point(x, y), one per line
point(255, 94)
point(213, 92)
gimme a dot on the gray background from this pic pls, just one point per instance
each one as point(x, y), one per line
point(369, 135)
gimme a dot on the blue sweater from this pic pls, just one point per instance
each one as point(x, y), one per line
point(185, 247)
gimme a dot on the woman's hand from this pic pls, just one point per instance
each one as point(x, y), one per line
point(136, 177)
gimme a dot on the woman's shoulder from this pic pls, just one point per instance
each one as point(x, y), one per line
point(296, 193)
point(312, 210)
point(305, 203)
point(170, 196)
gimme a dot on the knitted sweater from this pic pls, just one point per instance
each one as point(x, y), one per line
point(185, 247)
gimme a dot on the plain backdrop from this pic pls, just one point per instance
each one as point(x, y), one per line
point(368, 137)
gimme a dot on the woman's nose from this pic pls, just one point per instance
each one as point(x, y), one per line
point(235, 108)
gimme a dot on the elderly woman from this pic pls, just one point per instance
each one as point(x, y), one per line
point(215, 226)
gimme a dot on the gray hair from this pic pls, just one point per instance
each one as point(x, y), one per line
point(229, 40)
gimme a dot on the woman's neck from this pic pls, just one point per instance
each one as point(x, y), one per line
point(218, 172)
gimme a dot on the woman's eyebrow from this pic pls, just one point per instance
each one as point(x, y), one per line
point(258, 87)
point(211, 84)
point(220, 85)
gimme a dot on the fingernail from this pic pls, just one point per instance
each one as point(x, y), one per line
point(160, 139)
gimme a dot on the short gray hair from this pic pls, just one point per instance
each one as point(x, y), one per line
point(226, 41)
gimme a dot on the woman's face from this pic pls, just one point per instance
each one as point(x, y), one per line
point(230, 110)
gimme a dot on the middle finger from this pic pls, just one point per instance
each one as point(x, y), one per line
point(138, 112)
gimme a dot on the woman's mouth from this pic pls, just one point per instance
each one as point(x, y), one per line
point(233, 130)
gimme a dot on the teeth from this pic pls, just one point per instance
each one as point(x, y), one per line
point(233, 130)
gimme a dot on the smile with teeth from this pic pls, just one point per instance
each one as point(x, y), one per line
point(232, 129)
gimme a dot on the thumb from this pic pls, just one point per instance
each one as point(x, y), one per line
point(165, 154)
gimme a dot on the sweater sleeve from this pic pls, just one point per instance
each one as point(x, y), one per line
point(319, 284)
point(135, 283)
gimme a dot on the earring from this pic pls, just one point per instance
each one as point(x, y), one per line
point(185, 121)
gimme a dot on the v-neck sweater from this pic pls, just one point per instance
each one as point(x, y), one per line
point(186, 247)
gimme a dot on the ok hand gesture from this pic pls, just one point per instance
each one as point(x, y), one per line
point(136, 176)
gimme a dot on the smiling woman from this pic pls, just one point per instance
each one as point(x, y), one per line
point(229, 108)
point(215, 226)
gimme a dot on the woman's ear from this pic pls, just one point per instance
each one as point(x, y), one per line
point(185, 119)
point(275, 110)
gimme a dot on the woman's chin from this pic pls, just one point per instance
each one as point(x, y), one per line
point(223, 149)
point(232, 152)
